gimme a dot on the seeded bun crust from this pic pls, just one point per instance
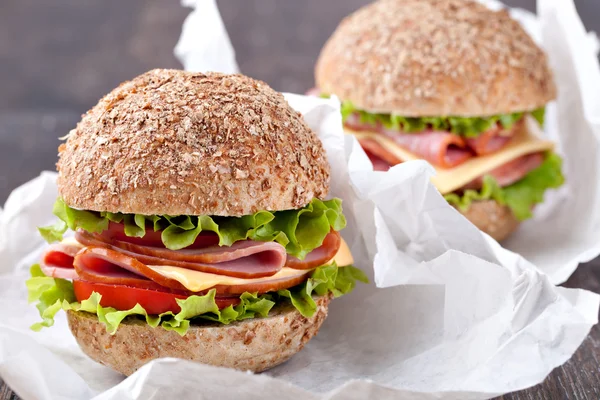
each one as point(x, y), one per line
point(418, 58)
point(255, 344)
point(181, 143)
point(496, 220)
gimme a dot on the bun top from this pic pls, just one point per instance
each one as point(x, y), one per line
point(171, 142)
point(420, 58)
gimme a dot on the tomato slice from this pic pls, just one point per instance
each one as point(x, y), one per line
point(124, 297)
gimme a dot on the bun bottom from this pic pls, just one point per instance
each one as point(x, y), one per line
point(255, 344)
point(496, 220)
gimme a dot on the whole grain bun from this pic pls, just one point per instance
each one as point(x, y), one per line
point(255, 344)
point(182, 143)
point(496, 220)
point(434, 58)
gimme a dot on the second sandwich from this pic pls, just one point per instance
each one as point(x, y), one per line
point(456, 84)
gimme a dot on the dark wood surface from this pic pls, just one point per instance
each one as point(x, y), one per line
point(59, 56)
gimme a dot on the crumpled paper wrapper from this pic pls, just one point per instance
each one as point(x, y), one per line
point(566, 227)
point(447, 316)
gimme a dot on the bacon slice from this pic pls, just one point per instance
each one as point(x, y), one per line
point(320, 255)
point(244, 259)
point(57, 261)
point(511, 172)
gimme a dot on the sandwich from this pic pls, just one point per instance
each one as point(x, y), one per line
point(456, 84)
point(192, 223)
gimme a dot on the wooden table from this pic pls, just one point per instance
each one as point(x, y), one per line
point(58, 57)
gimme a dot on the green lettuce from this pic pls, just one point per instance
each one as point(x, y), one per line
point(54, 294)
point(522, 195)
point(464, 126)
point(299, 231)
point(323, 280)
point(50, 293)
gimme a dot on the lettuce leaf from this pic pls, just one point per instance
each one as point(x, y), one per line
point(464, 126)
point(522, 195)
point(299, 231)
point(326, 279)
point(54, 294)
point(50, 293)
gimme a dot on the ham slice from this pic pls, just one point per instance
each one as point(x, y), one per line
point(320, 255)
point(271, 285)
point(106, 259)
point(106, 266)
point(440, 148)
point(57, 261)
point(103, 265)
point(244, 259)
point(381, 158)
point(492, 140)
point(378, 163)
point(153, 239)
point(511, 172)
point(505, 175)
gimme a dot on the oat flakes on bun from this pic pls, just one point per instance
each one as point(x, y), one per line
point(456, 84)
point(193, 223)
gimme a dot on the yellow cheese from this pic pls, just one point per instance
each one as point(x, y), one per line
point(71, 241)
point(197, 281)
point(343, 257)
point(526, 141)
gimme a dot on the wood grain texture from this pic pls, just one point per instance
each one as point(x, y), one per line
point(6, 393)
point(58, 57)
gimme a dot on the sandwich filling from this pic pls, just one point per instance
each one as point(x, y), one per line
point(172, 270)
point(500, 157)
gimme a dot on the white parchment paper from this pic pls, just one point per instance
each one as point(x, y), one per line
point(449, 315)
point(566, 229)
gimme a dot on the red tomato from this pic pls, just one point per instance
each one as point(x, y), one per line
point(125, 297)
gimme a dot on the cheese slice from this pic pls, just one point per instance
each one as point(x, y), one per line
point(343, 257)
point(71, 241)
point(527, 140)
point(197, 281)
